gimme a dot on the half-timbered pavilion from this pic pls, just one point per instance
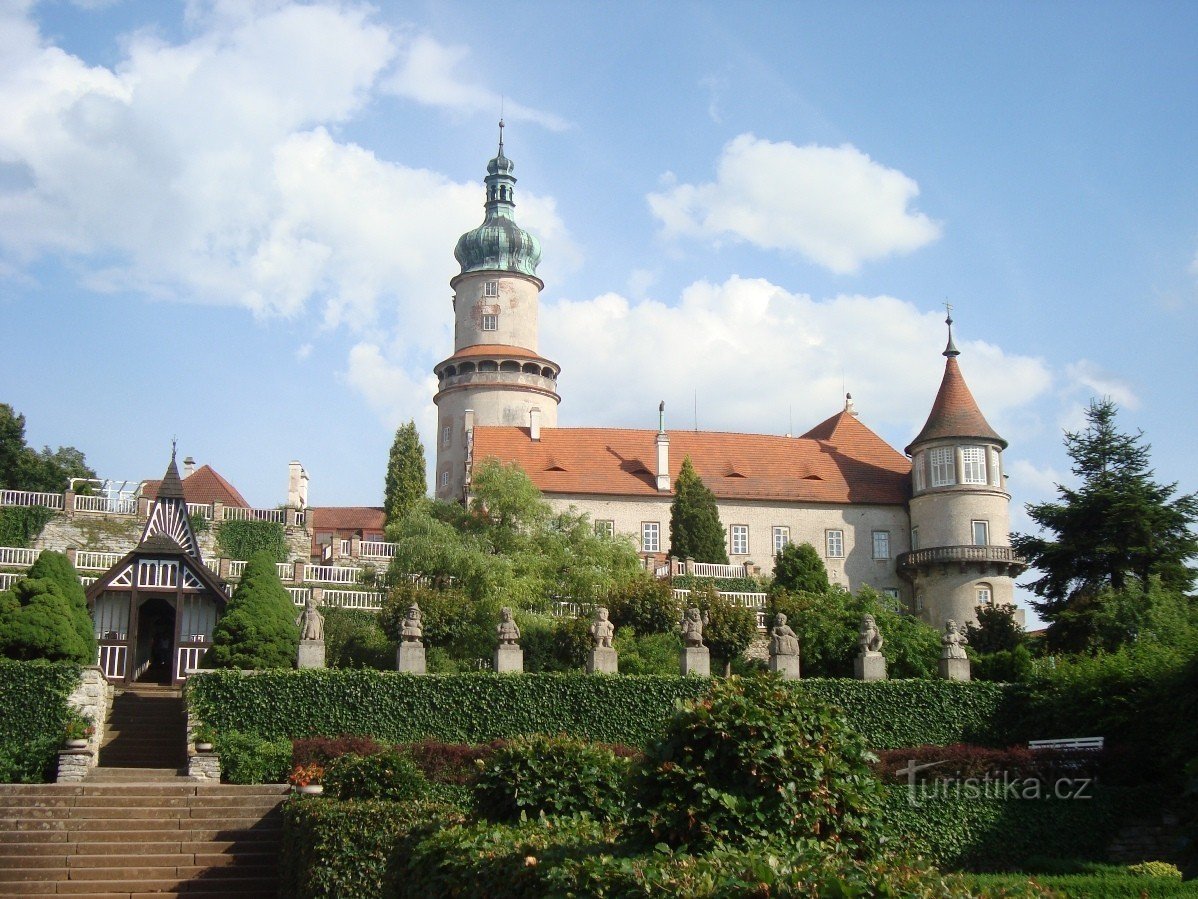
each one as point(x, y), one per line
point(155, 609)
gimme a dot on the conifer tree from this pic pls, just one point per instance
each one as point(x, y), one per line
point(44, 615)
point(799, 568)
point(695, 529)
point(1119, 527)
point(405, 483)
point(259, 628)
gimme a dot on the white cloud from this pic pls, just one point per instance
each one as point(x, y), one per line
point(1089, 378)
point(758, 355)
point(428, 73)
point(834, 205)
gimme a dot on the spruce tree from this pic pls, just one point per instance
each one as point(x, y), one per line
point(695, 529)
point(44, 615)
point(799, 569)
point(1119, 527)
point(405, 483)
point(259, 628)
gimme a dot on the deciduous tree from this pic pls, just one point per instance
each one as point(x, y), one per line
point(799, 569)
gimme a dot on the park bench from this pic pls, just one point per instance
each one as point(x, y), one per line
point(1094, 744)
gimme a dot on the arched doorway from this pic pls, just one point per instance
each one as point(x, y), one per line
point(154, 654)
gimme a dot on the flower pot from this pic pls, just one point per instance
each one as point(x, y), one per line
point(311, 789)
point(203, 747)
point(77, 743)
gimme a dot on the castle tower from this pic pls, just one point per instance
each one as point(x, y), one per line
point(961, 554)
point(495, 375)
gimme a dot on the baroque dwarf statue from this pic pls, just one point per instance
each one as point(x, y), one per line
point(508, 630)
point(311, 622)
point(952, 643)
point(412, 630)
point(692, 628)
point(870, 638)
point(783, 640)
point(602, 630)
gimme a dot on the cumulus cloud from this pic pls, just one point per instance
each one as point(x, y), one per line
point(759, 357)
point(834, 205)
point(429, 73)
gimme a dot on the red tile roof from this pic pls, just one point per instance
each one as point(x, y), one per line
point(203, 486)
point(346, 518)
point(955, 412)
point(838, 461)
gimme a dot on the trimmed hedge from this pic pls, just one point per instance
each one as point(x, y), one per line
point(343, 848)
point(479, 708)
point(33, 712)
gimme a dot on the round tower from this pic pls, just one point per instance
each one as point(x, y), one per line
point(961, 554)
point(495, 375)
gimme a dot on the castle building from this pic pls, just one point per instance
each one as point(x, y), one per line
point(929, 527)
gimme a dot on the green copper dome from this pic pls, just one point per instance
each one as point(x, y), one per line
point(499, 244)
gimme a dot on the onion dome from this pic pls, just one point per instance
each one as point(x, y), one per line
point(955, 413)
point(499, 244)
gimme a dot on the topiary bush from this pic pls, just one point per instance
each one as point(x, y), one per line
point(755, 762)
point(44, 615)
point(540, 775)
point(383, 775)
point(33, 711)
point(258, 629)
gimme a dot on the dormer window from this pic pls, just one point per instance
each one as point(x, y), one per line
point(490, 288)
point(490, 321)
point(943, 466)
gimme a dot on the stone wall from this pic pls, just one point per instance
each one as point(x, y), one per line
point(94, 533)
point(92, 697)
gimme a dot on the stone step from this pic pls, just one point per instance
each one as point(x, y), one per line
point(258, 832)
point(265, 887)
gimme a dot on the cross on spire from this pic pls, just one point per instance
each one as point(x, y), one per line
point(950, 350)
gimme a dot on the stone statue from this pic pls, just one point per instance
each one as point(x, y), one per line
point(508, 630)
point(692, 628)
point(870, 638)
point(952, 643)
point(783, 640)
point(311, 622)
point(412, 630)
point(602, 630)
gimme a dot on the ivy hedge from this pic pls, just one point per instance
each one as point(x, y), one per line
point(241, 539)
point(33, 712)
point(20, 525)
point(479, 708)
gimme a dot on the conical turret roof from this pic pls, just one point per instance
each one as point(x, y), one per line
point(955, 413)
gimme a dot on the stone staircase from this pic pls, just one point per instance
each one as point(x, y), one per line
point(136, 826)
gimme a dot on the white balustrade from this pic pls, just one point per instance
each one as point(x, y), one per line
point(28, 498)
point(376, 549)
point(17, 557)
point(332, 574)
point(189, 659)
point(236, 567)
point(235, 513)
point(711, 569)
point(285, 570)
point(7, 579)
point(754, 601)
point(299, 595)
point(93, 561)
point(107, 505)
point(111, 660)
point(367, 601)
point(204, 510)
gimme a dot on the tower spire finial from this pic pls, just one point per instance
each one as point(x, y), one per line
point(500, 134)
point(950, 350)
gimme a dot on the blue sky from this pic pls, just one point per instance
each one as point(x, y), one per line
point(233, 222)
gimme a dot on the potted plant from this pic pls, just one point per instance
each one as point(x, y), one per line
point(204, 737)
point(307, 778)
point(77, 730)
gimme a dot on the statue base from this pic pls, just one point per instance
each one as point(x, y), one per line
point(310, 655)
point(870, 666)
point(696, 660)
point(602, 660)
point(954, 669)
point(409, 658)
point(787, 666)
point(508, 659)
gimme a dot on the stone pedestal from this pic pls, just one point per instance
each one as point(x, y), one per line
point(409, 658)
point(602, 660)
point(954, 669)
point(870, 666)
point(74, 765)
point(204, 766)
point(787, 666)
point(311, 654)
point(509, 659)
point(696, 660)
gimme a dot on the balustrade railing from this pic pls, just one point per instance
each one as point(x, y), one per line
point(7, 579)
point(86, 560)
point(234, 513)
point(947, 554)
point(18, 557)
point(376, 549)
point(107, 505)
point(332, 574)
point(204, 510)
point(299, 595)
point(366, 600)
point(30, 498)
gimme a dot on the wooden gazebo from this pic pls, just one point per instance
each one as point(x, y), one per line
point(155, 609)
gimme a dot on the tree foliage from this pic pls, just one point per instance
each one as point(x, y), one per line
point(695, 529)
point(258, 629)
point(996, 630)
point(44, 615)
point(798, 568)
point(1117, 527)
point(405, 484)
point(647, 605)
point(42, 471)
point(242, 539)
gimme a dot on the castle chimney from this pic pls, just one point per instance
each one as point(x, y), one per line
point(663, 451)
point(297, 486)
point(534, 424)
point(189, 466)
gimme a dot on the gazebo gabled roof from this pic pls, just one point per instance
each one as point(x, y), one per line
point(168, 515)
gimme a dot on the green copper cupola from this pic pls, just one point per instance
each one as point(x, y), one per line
point(499, 244)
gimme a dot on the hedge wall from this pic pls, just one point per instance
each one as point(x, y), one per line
point(33, 708)
point(478, 708)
